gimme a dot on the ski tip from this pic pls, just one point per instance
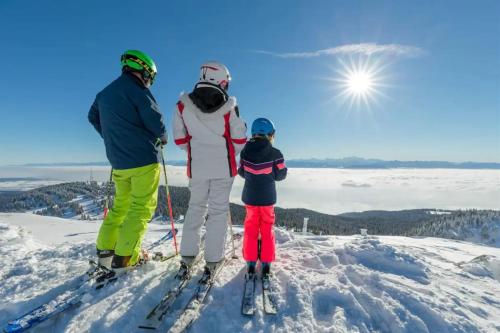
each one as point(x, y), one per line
point(145, 327)
point(150, 324)
point(248, 314)
point(13, 328)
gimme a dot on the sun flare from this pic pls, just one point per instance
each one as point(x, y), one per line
point(358, 84)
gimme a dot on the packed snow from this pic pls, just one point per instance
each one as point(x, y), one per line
point(324, 283)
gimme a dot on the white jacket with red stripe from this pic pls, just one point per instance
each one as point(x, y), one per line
point(212, 140)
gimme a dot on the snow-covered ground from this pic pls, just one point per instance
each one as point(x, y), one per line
point(325, 283)
point(89, 207)
point(336, 191)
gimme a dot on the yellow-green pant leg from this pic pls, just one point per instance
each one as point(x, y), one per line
point(144, 197)
point(108, 233)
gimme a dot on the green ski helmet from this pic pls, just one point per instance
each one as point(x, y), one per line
point(137, 61)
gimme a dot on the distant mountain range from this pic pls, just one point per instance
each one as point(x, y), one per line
point(343, 163)
point(363, 163)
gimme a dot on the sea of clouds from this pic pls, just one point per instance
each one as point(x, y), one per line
point(326, 190)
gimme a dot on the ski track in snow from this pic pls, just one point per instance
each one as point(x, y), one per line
point(324, 283)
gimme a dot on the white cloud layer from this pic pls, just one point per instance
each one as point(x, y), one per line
point(332, 190)
point(351, 49)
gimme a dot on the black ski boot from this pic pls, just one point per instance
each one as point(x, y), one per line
point(104, 259)
point(184, 272)
point(206, 277)
point(120, 265)
point(103, 277)
point(266, 273)
point(250, 275)
point(208, 273)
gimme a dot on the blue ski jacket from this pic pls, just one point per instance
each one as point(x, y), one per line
point(127, 117)
point(261, 165)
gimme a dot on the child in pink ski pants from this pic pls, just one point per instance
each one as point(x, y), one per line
point(261, 165)
point(259, 223)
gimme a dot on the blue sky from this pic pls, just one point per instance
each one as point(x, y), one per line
point(440, 83)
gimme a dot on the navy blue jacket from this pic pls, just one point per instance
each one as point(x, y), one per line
point(261, 165)
point(127, 117)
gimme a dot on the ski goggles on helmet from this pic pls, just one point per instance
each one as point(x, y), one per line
point(148, 72)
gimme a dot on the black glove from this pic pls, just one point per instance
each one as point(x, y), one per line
point(164, 140)
point(160, 142)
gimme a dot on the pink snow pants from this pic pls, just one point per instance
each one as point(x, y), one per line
point(259, 222)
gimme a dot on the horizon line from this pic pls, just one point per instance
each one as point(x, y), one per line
point(293, 160)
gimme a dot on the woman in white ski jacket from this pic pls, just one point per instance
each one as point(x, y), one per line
point(208, 127)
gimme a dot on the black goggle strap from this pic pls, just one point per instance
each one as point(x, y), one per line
point(148, 71)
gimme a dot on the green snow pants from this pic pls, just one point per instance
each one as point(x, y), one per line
point(134, 205)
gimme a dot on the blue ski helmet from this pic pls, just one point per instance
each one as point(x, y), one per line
point(263, 126)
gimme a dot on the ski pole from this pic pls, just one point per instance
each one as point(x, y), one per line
point(169, 202)
point(232, 234)
point(108, 194)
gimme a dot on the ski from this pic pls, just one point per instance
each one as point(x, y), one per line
point(248, 301)
point(194, 306)
point(155, 317)
point(68, 298)
point(48, 310)
point(269, 300)
point(162, 240)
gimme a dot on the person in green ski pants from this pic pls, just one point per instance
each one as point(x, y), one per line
point(134, 204)
point(128, 118)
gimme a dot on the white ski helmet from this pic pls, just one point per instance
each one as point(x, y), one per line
point(215, 73)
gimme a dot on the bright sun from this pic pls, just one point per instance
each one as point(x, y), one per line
point(358, 83)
